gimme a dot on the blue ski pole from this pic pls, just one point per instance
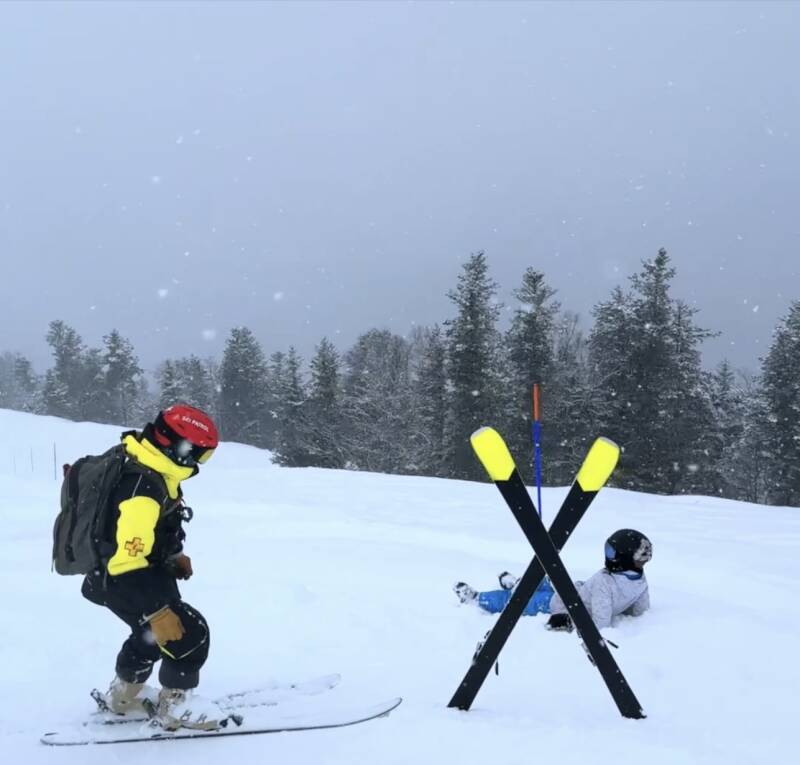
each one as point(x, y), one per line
point(537, 447)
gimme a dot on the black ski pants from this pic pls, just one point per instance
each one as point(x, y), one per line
point(181, 660)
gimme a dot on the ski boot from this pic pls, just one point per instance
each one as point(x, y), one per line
point(125, 699)
point(178, 708)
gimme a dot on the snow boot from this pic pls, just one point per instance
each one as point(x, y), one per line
point(507, 581)
point(464, 592)
point(178, 708)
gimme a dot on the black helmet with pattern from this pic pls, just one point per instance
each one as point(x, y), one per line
point(627, 550)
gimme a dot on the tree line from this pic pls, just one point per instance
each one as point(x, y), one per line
point(408, 404)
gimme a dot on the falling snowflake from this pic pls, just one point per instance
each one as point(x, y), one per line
point(209, 334)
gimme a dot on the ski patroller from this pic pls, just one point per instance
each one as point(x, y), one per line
point(592, 476)
point(496, 459)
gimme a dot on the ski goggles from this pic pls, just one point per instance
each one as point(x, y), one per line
point(188, 454)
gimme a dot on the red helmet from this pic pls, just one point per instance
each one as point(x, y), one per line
point(186, 435)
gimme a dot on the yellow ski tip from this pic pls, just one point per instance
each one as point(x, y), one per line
point(493, 453)
point(598, 465)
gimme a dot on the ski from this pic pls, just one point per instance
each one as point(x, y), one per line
point(495, 457)
point(595, 471)
point(339, 718)
point(267, 695)
point(274, 693)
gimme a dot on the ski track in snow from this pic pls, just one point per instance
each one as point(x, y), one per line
point(308, 572)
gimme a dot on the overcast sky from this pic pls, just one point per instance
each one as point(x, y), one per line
point(173, 170)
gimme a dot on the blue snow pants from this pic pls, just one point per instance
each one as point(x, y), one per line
point(495, 601)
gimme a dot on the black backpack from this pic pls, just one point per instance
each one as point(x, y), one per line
point(85, 494)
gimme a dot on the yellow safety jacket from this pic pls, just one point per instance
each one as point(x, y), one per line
point(144, 523)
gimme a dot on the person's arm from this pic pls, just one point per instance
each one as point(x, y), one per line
point(640, 605)
point(147, 589)
point(601, 602)
point(135, 535)
point(177, 562)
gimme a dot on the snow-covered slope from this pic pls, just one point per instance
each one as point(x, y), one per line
point(306, 572)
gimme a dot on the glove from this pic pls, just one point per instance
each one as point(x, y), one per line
point(560, 623)
point(180, 566)
point(166, 626)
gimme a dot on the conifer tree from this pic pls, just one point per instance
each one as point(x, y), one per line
point(746, 460)
point(121, 379)
point(529, 353)
point(18, 383)
point(729, 408)
point(292, 408)
point(375, 405)
point(689, 428)
point(275, 398)
point(472, 354)
point(781, 382)
point(170, 385)
point(645, 359)
point(197, 383)
point(428, 445)
point(62, 391)
point(28, 385)
point(243, 396)
point(570, 404)
point(93, 397)
point(324, 409)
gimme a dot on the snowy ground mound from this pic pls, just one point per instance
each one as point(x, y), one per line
point(307, 572)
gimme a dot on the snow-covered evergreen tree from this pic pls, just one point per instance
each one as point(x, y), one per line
point(472, 354)
point(291, 407)
point(62, 391)
point(171, 388)
point(93, 398)
point(375, 406)
point(781, 382)
point(322, 436)
point(243, 398)
point(276, 397)
point(645, 359)
point(428, 412)
point(570, 405)
point(737, 464)
point(690, 435)
point(19, 385)
point(198, 383)
point(121, 380)
point(529, 359)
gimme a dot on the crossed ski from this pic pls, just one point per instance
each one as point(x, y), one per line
point(595, 471)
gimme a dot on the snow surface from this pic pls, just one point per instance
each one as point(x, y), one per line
point(307, 572)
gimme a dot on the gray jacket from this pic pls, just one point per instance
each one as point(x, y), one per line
point(607, 595)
